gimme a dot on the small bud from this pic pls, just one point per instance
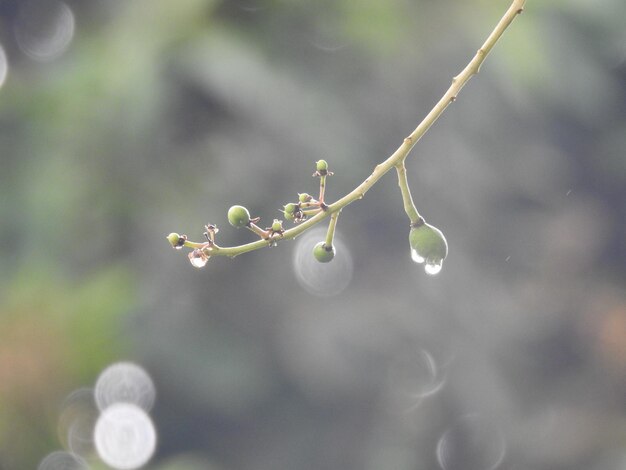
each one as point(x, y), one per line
point(238, 216)
point(177, 241)
point(321, 168)
point(277, 226)
point(290, 211)
point(323, 253)
point(428, 245)
point(321, 165)
point(304, 197)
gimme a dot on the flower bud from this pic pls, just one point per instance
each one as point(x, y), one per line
point(323, 253)
point(177, 241)
point(304, 197)
point(238, 216)
point(277, 226)
point(428, 245)
point(290, 211)
point(321, 165)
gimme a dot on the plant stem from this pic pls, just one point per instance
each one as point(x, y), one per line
point(397, 158)
point(322, 188)
point(409, 205)
point(330, 234)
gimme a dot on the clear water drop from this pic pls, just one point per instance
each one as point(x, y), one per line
point(178, 247)
point(416, 257)
point(432, 268)
point(198, 258)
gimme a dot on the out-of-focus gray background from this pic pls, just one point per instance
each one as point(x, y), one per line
point(124, 120)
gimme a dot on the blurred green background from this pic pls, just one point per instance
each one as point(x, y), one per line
point(124, 120)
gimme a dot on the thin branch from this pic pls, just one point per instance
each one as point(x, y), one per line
point(409, 205)
point(330, 234)
point(399, 156)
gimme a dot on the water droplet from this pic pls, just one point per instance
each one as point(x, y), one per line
point(416, 257)
point(322, 279)
point(61, 460)
point(125, 436)
point(198, 258)
point(178, 247)
point(4, 66)
point(433, 267)
point(124, 382)
point(471, 444)
point(44, 30)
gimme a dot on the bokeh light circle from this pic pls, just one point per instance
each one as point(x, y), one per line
point(472, 443)
point(44, 30)
point(76, 422)
point(61, 460)
point(322, 279)
point(125, 436)
point(4, 66)
point(414, 376)
point(124, 382)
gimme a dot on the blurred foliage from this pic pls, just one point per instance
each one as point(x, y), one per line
point(162, 114)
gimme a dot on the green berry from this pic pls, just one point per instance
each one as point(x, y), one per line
point(321, 166)
point(304, 197)
point(323, 253)
point(238, 216)
point(429, 245)
point(177, 241)
point(290, 211)
point(277, 226)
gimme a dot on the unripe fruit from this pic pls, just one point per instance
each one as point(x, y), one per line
point(290, 211)
point(277, 226)
point(323, 253)
point(321, 166)
point(177, 241)
point(304, 197)
point(238, 216)
point(429, 245)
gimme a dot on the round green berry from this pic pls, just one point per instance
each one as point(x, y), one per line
point(238, 216)
point(428, 244)
point(175, 240)
point(304, 197)
point(290, 211)
point(277, 226)
point(321, 165)
point(323, 253)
